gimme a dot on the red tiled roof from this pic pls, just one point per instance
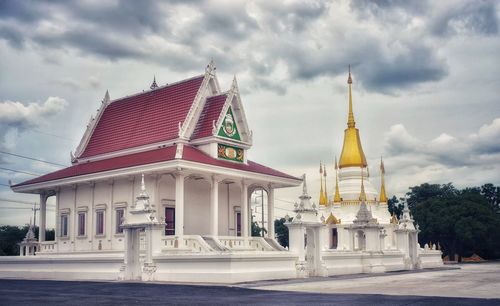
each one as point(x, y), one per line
point(137, 159)
point(149, 157)
point(210, 113)
point(143, 119)
point(195, 155)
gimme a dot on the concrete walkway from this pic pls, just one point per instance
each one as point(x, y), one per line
point(471, 280)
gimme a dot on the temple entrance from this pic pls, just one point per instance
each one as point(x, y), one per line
point(132, 254)
point(333, 238)
point(361, 240)
point(313, 251)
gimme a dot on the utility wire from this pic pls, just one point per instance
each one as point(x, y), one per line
point(7, 207)
point(4, 185)
point(32, 158)
point(50, 134)
point(284, 201)
point(19, 171)
point(18, 201)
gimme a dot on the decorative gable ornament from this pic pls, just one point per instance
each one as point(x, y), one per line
point(229, 128)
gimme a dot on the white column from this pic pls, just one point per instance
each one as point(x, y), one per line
point(270, 212)
point(179, 204)
point(43, 217)
point(214, 206)
point(245, 224)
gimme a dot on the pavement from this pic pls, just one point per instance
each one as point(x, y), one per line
point(473, 284)
point(478, 280)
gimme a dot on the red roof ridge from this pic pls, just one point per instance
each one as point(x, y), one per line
point(155, 89)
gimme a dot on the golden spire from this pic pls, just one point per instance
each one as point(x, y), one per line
point(336, 198)
point(322, 200)
point(325, 192)
point(383, 195)
point(352, 153)
point(350, 118)
point(362, 195)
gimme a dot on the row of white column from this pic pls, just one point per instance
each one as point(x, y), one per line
point(179, 211)
point(214, 207)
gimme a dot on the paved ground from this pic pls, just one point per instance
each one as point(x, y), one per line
point(443, 287)
point(27, 292)
point(471, 280)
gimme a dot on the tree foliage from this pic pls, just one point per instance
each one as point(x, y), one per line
point(258, 231)
point(10, 236)
point(463, 222)
point(395, 206)
point(281, 231)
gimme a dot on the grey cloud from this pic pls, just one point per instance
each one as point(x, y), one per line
point(476, 17)
point(294, 16)
point(302, 35)
point(12, 35)
point(415, 65)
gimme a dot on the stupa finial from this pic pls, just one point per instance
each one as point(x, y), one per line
point(383, 195)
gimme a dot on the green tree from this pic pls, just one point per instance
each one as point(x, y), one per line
point(281, 232)
point(10, 236)
point(419, 194)
point(257, 230)
point(492, 195)
point(395, 206)
point(461, 222)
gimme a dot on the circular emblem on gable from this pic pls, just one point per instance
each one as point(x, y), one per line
point(228, 126)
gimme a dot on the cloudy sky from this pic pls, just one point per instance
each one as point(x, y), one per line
point(426, 80)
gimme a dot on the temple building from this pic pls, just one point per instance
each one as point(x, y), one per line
point(159, 190)
point(352, 185)
point(353, 227)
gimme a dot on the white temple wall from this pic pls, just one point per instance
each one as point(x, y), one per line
point(121, 191)
point(196, 207)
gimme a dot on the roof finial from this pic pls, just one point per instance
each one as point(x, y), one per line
point(154, 85)
point(383, 195)
point(349, 79)
point(336, 198)
point(325, 192)
point(210, 67)
point(304, 184)
point(362, 196)
point(106, 97)
point(322, 200)
point(350, 118)
point(143, 185)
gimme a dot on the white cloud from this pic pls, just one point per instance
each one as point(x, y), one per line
point(17, 114)
point(467, 161)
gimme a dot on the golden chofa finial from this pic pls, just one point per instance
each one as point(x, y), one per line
point(383, 195)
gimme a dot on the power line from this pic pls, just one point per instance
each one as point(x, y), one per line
point(53, 135)
point(26, 208)
point(284, 201)
point(32, 158)
point(4, 185)
point(17, 201)
point(19, 171)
